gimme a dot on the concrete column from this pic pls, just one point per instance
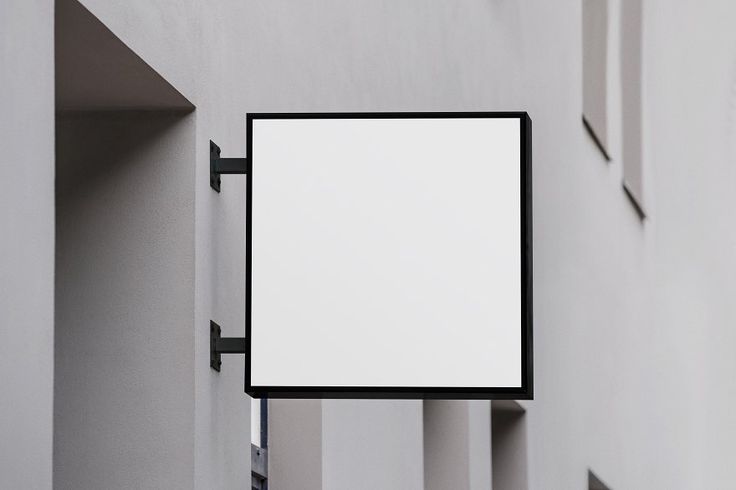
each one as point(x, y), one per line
point(295, 444)
point(509, 446)
point(457, 445)
point(371, 444)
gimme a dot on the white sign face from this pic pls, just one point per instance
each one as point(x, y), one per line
point(389, 255)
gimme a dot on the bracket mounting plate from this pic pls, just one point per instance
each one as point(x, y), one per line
point(215, 179)
point(215, 357)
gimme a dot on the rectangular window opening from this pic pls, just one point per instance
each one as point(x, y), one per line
point(595, 72)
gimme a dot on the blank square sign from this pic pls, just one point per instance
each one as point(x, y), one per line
point(389, 255)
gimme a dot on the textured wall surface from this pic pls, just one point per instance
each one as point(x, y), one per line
point(123, 390)
point(457, 444)
point(26, 242)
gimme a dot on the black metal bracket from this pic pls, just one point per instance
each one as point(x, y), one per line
point(220, 166)
point(223, 345)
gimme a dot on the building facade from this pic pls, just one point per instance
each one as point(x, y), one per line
point(115, 253)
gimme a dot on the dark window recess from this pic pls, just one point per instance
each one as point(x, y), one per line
point(595, 72)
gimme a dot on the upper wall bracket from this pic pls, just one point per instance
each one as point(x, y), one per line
point(219, 166)
point(223, 345)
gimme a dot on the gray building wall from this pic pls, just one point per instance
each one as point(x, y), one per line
point(26, 243)
point(123, 390)
point(633, 361)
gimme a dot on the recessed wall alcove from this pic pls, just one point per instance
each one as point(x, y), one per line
point(124, 278)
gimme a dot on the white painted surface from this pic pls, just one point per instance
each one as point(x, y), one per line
point(255, 422)
point(295, 442)
point(26, 243)
point(369, 444)
point(386, 252)
point(457, 445)
point(176, 40)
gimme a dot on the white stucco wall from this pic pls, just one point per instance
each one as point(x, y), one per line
point(26, 243)
point(457, 444)
point(124, 366)
point(178, 40)
point(633, 318)
point(371, 444)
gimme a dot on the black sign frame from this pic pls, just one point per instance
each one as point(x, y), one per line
point(525, 391)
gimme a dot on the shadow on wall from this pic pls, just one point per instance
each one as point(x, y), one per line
point(124, 281)
point(509, 445)
point(123, 300)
